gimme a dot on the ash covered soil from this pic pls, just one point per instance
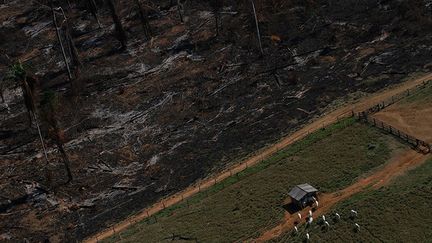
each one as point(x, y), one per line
point(167, 111)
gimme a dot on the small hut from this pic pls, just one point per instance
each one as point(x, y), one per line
point(302, 195)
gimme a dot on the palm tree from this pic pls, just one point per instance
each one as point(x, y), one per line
point(120, 32)
point(28, 86)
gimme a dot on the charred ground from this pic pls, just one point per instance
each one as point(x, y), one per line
point(153, 119)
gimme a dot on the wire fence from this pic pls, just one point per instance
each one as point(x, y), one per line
point(202, 186)
point(396, 98)
point(418, 144)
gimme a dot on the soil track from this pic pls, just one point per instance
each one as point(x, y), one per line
point(394, 168)
point(325, 120)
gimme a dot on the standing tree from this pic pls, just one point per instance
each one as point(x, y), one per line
point(59, 39)
point(144, 19)
point(2, 84)
point(92, 6)
point(216, 6)
point(28, 86)
point(257, 27)
point(49, 112)
point(119, 30)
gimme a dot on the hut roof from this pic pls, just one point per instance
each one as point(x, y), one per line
point(299, 191)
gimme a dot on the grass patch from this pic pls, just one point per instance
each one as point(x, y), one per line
point(423, 96)
point(399, 212)
point(236, 208)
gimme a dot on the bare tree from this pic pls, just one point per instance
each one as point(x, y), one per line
point(216, 6)
point(119, 30)
point(59, 39)
point(257, 27)
point(28, 86)
point(49, 113)
point(2, 84)
point(92, 6)
point(144, 19)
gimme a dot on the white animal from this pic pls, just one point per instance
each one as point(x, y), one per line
point(310, 213)
point(327, 223)
point(296, 229)
point(357, 226)
point(310, 220)
point(307, 236)
point(323, 218)
point(354, 213)
point(337, 215)
point(316, 203)
point(299, 215)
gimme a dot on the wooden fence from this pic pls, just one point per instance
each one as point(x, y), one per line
point(395, 98)
point(418, 144)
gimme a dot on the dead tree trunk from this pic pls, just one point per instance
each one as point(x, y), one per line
point(1, 90)
point(120, 32)
point(257, 27)
point(144, 19)
point(61, 42)
point(216, 5)
point(94, 10)
point(66, 161)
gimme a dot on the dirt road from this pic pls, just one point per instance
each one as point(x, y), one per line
point(325, 120)
point(394, 168)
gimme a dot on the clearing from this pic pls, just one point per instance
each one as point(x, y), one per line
point(263, 154)
point(396, 167)
point(398, 212)
point(238, 207)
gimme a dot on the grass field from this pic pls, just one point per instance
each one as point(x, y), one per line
point(399, 212)
point(241, 206)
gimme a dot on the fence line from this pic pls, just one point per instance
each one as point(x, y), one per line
point(418, 144)
point(198, 187)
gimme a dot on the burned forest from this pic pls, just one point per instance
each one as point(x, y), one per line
point(107, 106)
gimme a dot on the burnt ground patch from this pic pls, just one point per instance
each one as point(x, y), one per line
point(152, 120)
